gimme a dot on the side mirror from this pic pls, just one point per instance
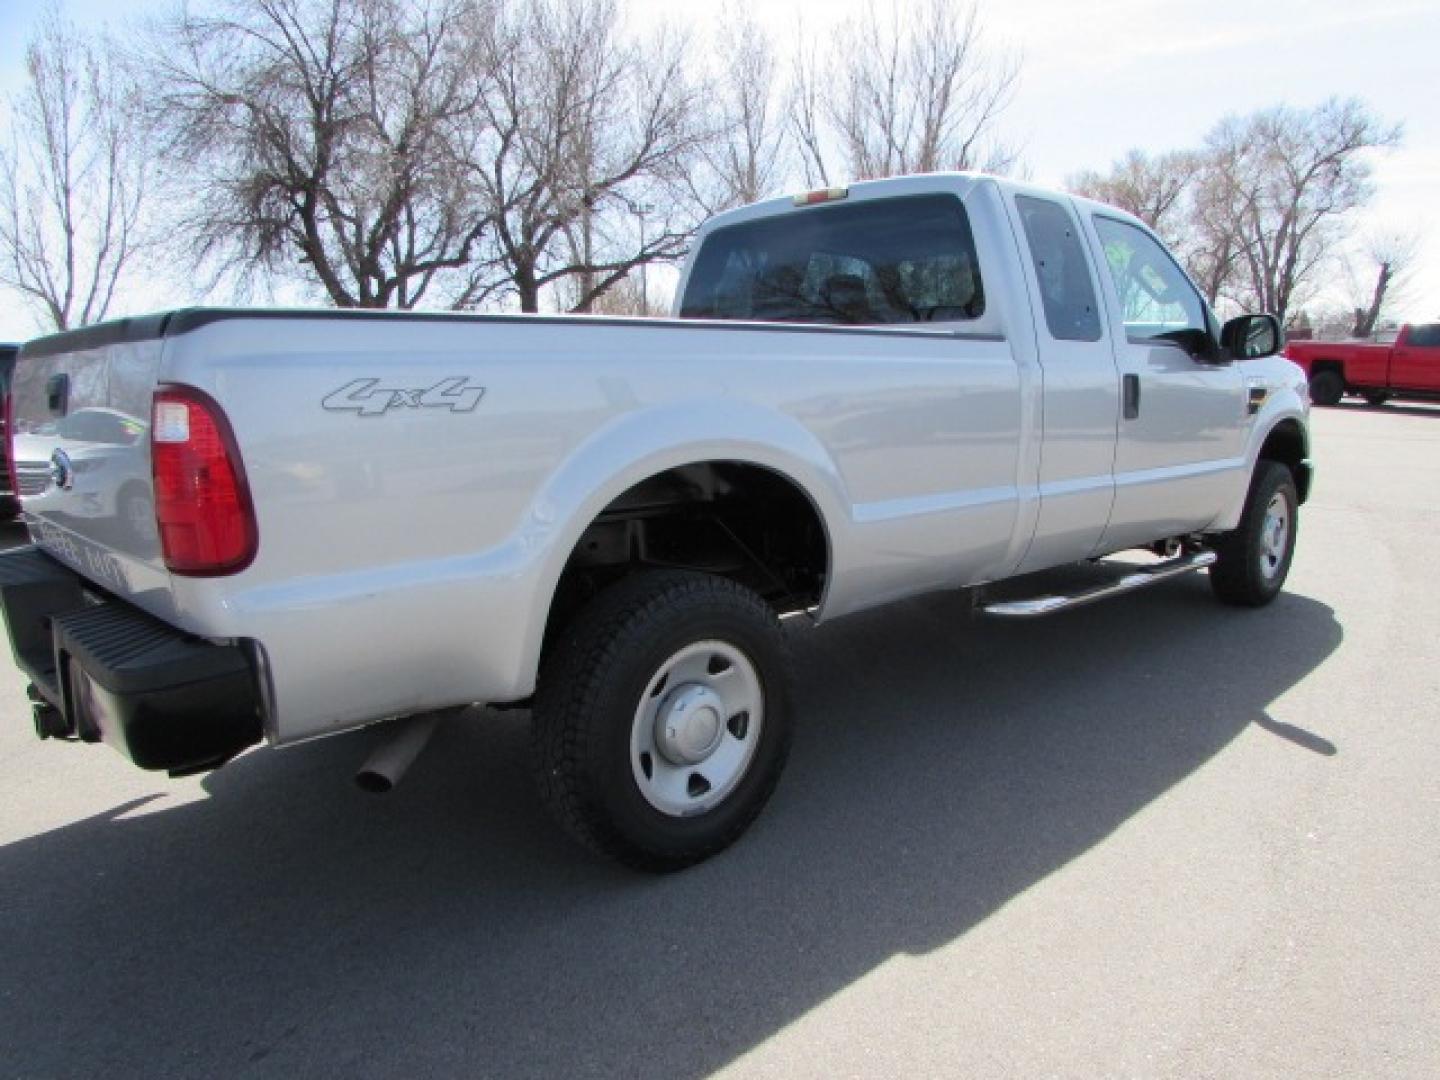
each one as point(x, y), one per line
point(1250, 337)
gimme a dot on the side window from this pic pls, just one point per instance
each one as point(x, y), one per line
point(1062, 269)
point(1156, 298)
point(1425, 337)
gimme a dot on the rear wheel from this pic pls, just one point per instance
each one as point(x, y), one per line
point(1327, 387)
point(1376, 398)
point(1254, 558)
point(661, 723)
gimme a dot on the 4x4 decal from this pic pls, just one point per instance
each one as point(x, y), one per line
point(375, 397)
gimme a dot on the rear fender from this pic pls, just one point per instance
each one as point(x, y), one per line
point(642, 444)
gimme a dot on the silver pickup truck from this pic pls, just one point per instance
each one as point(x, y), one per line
point(267, 526)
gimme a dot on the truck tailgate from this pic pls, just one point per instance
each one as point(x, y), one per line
point(81, 413)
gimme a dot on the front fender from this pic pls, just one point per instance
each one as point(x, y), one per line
point(1286, 400)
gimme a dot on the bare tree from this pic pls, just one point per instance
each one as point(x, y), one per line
point(626, 298)
point(73, 179)
point(1213, 244)
point(747, 154)
point(1391, 257)
point(915, 91)
point(1183, 195)
point(1289, 178)
point(1158, 190)
point(1258, 213)
point(808, 112)
point(317, 134)
point(583, 137)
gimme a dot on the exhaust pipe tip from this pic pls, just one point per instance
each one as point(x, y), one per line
point(376, 783)
point(384, 768)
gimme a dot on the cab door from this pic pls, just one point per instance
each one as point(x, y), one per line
point(1180, 446)
point(1415, 365)
point(1080, 389)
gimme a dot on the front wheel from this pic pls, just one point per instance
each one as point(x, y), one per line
point(662, 722)
point(1376, 398)
point(1254, 558)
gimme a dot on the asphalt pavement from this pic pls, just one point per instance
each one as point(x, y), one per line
point(1155, 837)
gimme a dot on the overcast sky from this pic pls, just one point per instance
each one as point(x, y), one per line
point(1101, 77)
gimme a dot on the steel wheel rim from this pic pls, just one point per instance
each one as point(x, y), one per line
point(696, 728)
point(1274, 535)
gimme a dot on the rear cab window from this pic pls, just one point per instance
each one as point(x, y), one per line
point(882, 262)
point(1061, 269)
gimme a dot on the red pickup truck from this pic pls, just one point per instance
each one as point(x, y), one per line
point(1410, 368)
point(9, 502)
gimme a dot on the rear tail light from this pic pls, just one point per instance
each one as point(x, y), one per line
point(202, 502)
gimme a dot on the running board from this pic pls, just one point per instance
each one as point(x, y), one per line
point(1049, 605)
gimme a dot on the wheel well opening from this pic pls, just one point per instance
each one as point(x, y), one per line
point(1286, 444)
point(729, 518)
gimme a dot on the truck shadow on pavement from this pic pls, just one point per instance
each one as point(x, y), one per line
point(290, 925)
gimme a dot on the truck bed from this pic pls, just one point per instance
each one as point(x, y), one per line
point(404, 532)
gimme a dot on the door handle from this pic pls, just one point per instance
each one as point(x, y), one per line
point(1131, 384)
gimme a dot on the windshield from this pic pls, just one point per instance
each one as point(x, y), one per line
point(888, 261)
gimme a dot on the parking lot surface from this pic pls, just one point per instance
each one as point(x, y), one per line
point(1155, 837)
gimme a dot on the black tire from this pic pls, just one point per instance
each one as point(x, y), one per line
point(1327, 387)
point(1376, 398)
point(1249, 571)
point(602, 668)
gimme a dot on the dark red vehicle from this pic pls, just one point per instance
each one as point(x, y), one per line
point(9, 504)
point(1410, 368)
